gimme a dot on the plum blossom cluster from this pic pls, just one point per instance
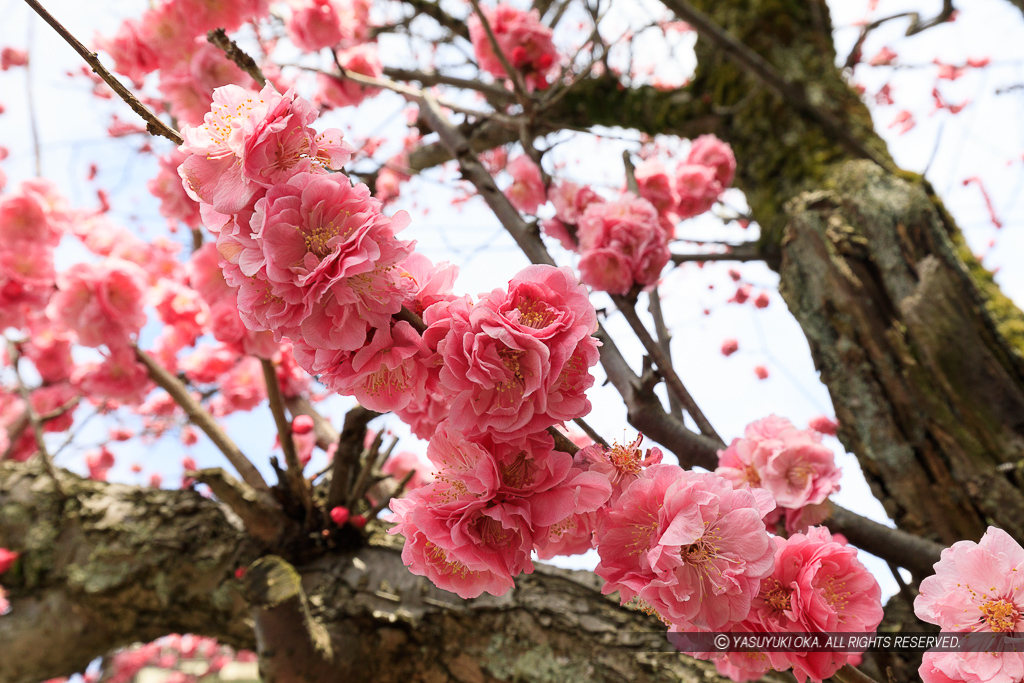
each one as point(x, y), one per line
point(491, 503)
point(818, 586)
point(697, 183)
point(103, 304)
point(792, 464)
point(315, 261)
point(622, 243)
point(170, 38)
point(198, 655)
point(976, 588)
point(523, 40)
point(686, 546)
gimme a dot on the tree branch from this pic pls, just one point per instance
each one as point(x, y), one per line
point(219, 38)
point(750, 251)
point(153, 124)
point(263, 518)
point(346, 457)
point(297, 484)
point(130, 564)
point(202, 419)
point(668, 373)
point(761, 69)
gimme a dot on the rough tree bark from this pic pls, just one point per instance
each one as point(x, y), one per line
point(920, 351)
point(112, 564)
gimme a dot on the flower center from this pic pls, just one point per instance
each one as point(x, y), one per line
point(492, 532)
point(778, 596)
point(1000, 615)
point(835, 594)
point(798, 474)
point(319, 237)
point(517, 473)
point(535, 314)
point(626, 458)
point(439, 558)
point(751, 476)
point(386, 381)
point(700, 552)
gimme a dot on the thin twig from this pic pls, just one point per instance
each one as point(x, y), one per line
point(368, 460)
point(31, 100)
point(384, 502)
point(429, 78)
point(297, 483)
point(218, 37)
point(916, 26)
point(14, 356)
point(562, 442)
point(589, 431)
point(473, 170)
point(748, 251)
point(664, 339)
point(154, 125)
point(668, 373)
point(631, 183)
point(202, 419)
point(792, 92)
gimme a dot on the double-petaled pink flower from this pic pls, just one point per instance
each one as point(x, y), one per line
point(102, 303)
point(623, 244)
point(688, 544)
point(252, 141)
point(790, 463)
point(976, 587)
point(525, 42)
point(517, 362)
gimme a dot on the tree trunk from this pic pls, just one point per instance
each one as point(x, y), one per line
point(921, 353)
point(112, 564)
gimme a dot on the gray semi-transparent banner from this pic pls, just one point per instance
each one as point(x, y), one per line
point(850, 642)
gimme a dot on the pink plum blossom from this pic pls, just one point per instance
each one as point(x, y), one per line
point(344, 92)
point(251, 141)
point(133, 55)
point(976, 587)
point(698, 189)
point(517, 361)
point(688, 544)
point(101, 302)
point(707, 150)
point(527, 191)
point(623, 244)
point(316, 24)
point(175, 203)
point(522, 38)
point(656, 185)
point(791, 463)
point(818, 585)
point(387, 373)
point(321, 263)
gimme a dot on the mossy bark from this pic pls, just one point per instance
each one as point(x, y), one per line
point(110, 565)
point(920, 351)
